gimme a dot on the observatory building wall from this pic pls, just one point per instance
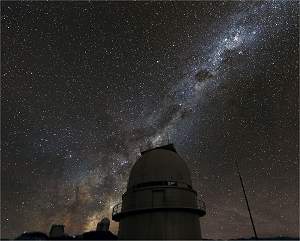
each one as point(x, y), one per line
point(154, 225)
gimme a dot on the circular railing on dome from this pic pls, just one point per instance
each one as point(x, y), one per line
point(117, 209)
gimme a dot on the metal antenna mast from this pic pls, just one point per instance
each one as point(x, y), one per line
point(242, 184)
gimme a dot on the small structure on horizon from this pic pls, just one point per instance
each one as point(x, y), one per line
point(57, 231)
point(160, 202)
point(103, 225)
point(102, 232)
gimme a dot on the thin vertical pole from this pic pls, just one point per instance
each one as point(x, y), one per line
point(242, 184)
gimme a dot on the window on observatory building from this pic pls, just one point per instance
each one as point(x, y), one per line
point(171, 183)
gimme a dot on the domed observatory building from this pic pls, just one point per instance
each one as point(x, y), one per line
point(160, 202)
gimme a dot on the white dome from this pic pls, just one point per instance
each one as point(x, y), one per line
point(159, 165)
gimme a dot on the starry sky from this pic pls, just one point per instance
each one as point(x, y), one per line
point(87, 85)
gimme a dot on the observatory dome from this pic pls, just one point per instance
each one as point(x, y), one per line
point(159, 165)
point(160, 202)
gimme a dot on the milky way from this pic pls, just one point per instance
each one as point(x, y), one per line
point(240, 34)
point(87, 86)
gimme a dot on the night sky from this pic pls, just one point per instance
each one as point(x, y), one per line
point(87, 85)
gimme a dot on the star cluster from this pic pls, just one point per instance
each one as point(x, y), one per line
point(88, 85)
